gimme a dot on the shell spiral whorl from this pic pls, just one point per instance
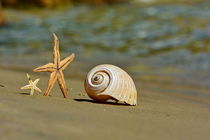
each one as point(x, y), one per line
point(106, 81)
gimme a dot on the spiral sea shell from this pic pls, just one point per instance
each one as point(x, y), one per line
point(106, 82)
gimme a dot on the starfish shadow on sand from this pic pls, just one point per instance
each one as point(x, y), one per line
point(2, 85)
point(24, 93)
point(106, 103)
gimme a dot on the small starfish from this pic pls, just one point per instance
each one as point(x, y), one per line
point(32, 85)
point(56, 69)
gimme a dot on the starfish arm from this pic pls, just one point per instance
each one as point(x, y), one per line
point(36, 81)
point(64, 63)
point(62, 84)
point(26, 87)
point(51, 82)
point(30, 82)
point(50, 67)
point(28, 76)
point(32, 92)
point(37, 89)
point(56, 54)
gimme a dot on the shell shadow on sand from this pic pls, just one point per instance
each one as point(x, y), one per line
point(108, 102)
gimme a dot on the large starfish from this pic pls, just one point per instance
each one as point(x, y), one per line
point(56, 70)
point(32, 85)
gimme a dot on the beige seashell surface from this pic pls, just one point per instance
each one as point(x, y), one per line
point(107, 81)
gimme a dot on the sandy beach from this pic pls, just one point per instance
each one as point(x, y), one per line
point(159, 115)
